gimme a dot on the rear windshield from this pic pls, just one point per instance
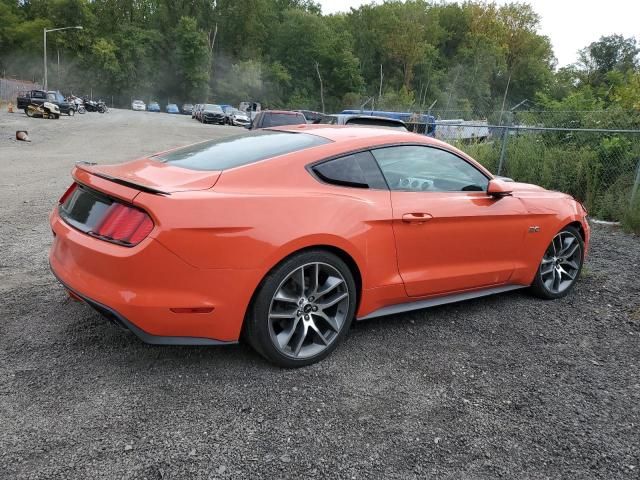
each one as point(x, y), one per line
point(224, 153)
point(279, 119)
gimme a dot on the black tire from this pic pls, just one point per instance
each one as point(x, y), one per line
point(71, 112)
point(541, 283)
point(30, 113)
point(258, 330)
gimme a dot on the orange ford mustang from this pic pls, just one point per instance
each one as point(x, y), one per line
point(285, 235)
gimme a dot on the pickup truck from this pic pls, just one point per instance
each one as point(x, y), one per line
point(40, 96)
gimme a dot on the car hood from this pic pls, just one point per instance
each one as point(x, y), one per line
point(153, 174)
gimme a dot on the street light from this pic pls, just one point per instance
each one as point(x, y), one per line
point(45, 49)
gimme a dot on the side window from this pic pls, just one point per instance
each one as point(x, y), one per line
point(427, 169)
point(358, 170)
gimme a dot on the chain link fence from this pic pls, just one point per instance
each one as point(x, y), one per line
point(598, 166)
point(11, 88)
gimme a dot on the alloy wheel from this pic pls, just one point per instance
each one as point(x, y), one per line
point(308, 310)
point(561, 263)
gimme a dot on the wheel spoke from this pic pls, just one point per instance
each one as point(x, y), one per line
point(281, 296)
point(562, 271)
point(329, 321)
point(319, 334)
point(284, 337)
point(547, 270)
point(305, 330)
point(569, 253)
point(333, 282)
point(301, 281)
point(316, 278)
point(283, 315)
point(556, 279)
point(331, 303)
point(571, 263)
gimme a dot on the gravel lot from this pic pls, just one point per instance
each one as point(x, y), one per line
point(507, 386)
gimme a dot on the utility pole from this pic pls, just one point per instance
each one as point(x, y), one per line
point(321, 90)
point(45, 60)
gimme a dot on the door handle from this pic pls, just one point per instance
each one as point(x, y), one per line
point(416, 217)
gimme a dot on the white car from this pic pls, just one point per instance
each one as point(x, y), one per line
point(236, 117)
point(138, 105)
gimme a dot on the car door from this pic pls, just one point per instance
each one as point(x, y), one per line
point(450, 235)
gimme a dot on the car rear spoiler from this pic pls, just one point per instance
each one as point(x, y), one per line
point(120, 181)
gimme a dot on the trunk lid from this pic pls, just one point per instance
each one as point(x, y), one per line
point(153, 176)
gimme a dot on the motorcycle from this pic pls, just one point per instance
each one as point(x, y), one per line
point(46, 110)
point(77, 104)
point(93, 106)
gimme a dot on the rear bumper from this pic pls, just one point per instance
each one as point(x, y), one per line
point(138, 287)
point(118, 320)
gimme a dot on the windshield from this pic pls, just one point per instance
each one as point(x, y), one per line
point(212, 108)
point(224, 153)
point(55, 97)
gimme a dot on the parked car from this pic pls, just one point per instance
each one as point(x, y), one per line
point(276, 118)
point(172, 108)
point(38, 97)
point(138, 105)
point(312, 116)
point(318, 226)
point(363, 120)
point(187, 109)
point(153, 107)
point(212, 114)
point(233, 116)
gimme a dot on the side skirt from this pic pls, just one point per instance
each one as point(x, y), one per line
point(443, 300)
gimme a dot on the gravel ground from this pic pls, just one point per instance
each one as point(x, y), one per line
point(507, 386)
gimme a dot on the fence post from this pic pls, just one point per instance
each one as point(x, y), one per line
point(503, 151)
point(636, 183)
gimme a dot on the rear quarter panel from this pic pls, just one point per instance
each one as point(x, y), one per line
point(259, 214)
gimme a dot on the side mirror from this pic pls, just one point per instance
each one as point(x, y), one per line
point(499, 188)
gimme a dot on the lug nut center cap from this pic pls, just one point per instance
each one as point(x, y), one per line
point(307, 308)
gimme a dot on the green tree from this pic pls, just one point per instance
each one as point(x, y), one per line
point(192, 59)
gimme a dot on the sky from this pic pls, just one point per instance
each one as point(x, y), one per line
point(570, 24)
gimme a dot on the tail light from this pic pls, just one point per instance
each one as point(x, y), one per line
point(68, 193)
point(124, 224)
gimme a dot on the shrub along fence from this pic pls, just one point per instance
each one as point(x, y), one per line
point(599, 167)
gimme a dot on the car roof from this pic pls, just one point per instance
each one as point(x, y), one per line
point(337, 133)
point(284, 112)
